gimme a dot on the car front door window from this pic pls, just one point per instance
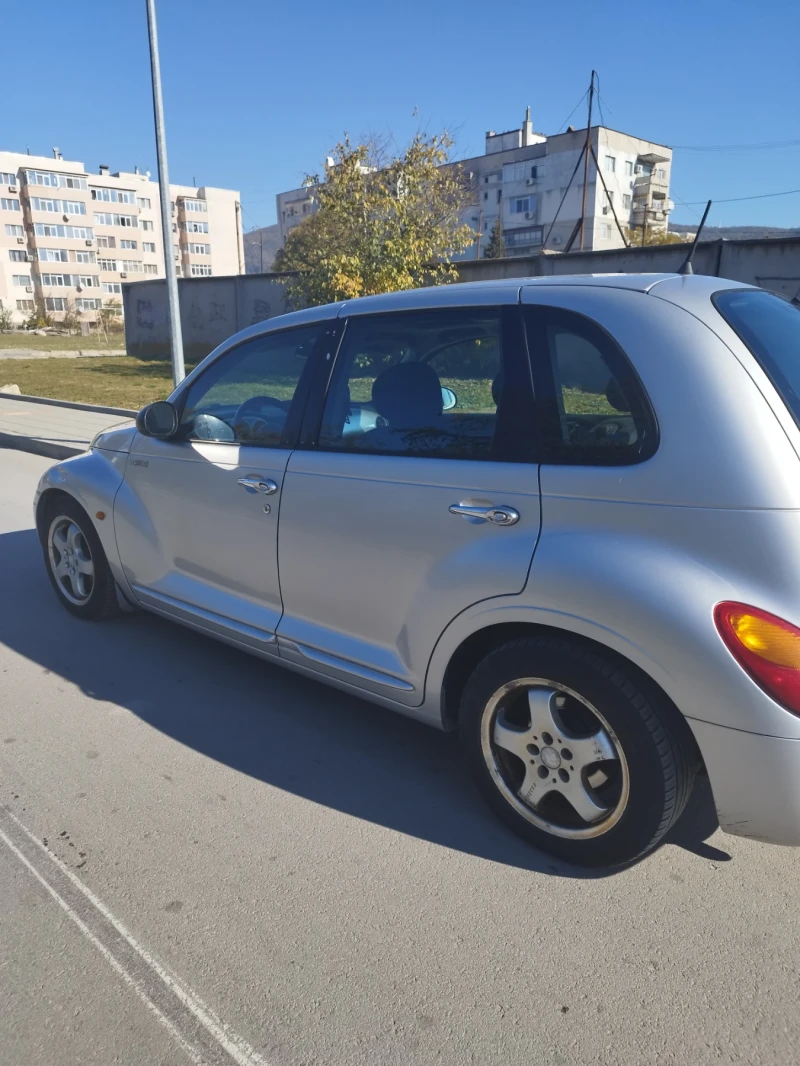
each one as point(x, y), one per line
point(245, 396)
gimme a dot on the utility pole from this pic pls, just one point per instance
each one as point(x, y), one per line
point(176, 338)
point(586, 159)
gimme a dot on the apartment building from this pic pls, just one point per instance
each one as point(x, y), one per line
point(70, 238)
point(523, 176)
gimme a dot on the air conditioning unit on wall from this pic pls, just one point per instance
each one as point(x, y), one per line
point(89, 244)
point(13, 188)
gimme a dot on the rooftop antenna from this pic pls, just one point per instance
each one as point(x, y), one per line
point(687, 263)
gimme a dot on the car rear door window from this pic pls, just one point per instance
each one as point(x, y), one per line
point(246, 395)
point(770, 327)
point(591, 406)
point(448, 384)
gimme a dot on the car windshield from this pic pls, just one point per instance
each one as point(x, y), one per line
point(770, 327)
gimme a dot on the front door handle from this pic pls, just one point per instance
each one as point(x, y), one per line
point(499, 516)
point(257, 484)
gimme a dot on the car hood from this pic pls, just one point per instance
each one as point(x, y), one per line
point(116, 438)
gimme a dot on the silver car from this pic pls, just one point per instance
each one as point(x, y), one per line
point(559, 515)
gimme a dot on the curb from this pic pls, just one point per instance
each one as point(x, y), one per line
point(123, 411)
point(38, 447)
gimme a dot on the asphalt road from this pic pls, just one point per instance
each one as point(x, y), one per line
point(242, 866)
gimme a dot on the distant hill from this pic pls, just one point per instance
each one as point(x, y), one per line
point(267, 237)
point(735, 233)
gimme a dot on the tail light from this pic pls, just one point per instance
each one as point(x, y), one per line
point(766, 646)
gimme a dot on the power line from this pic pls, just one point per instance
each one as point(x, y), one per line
point(572, 112)
point(738, 199)
point(759, 146)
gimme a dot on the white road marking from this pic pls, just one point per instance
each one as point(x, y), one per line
point(236, 1047)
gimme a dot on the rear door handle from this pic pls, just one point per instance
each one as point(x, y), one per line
point(257, 484)
point(498, 516)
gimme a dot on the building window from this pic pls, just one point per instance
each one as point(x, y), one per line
point(57, 281)
point(148, 246)
point(628, 168)
point(108, 264)
point(522, 205)
point(195, 205)
point(195, 227)
point(131, 266)
point(522, 238)
point(106, 242)
point(661, 173)
point(14, 231)
point(47, 229)
point(16, 255)
point(143, 202)
point(9, 204)
point(514, 172)
point(112, 286)
point(22, 280)
point(107, 219)
point(58, 207)
point(626, 201)
point(55, 303)
point(84, 257)
point(113, 196)
point(198, 249)
point(150, 268)
point(83, 304)
point(608, 201)
point(200, 270)
point(605, 230)
point(7, 179)
point(55, 181)
point(130, 245)
point(486, 196)
point(146, 224)
point(611, 164)
point(25, 305)
point(52, 255)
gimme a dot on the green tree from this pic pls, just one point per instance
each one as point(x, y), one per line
point(6, 319)
point(381, 224)
point(496, 248)
point(653, 236)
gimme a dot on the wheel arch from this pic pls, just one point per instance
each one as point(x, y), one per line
point(45, 499)
point(482, 641)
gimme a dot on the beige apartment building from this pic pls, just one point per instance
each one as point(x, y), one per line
point(70, 238)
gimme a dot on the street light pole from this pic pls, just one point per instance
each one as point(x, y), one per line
point(176, 339)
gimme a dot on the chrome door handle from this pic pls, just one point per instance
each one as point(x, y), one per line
point(256, 484)
point(499, 516)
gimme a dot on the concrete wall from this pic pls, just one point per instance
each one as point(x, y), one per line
point(214, 308)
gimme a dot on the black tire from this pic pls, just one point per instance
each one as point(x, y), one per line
point(652, 777)
point(101, 594)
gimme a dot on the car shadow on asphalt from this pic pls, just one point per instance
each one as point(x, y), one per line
point(293, 733)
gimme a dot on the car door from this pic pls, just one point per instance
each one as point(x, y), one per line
point(417, 497)
point(196, 518)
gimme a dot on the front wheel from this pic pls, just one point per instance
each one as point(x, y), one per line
point(75, 560)
point(571, 754)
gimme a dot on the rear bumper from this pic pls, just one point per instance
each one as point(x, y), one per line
point(755, 780)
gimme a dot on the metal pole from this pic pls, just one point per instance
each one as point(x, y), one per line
point(176, 339)
point(586, 159)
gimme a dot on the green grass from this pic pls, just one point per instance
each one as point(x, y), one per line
point(116, 381)
point(94, 343)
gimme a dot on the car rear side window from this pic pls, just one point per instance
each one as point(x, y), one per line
point(770, 327)
point(592, 408)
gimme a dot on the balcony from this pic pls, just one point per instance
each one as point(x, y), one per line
point(649, 183)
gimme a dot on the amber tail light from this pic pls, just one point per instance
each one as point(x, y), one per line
point(766, 646)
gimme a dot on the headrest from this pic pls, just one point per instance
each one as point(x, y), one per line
point(408, 395)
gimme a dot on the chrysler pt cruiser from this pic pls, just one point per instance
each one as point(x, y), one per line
point(561, 516)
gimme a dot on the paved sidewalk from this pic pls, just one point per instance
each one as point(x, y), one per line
point(56, 430)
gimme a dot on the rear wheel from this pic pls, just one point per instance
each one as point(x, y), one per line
point(571, 753)
point(75, 560)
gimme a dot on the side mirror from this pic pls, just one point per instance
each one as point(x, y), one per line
point(449, 399)
point(159, 419)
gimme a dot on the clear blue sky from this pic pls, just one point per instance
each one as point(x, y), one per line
point(256, 92)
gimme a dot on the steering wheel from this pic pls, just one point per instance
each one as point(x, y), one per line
point(251, 422)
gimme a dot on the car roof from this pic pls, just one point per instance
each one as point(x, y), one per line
point(676, 287)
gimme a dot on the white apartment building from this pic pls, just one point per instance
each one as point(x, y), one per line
point(523, 176)
point(70, 238)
